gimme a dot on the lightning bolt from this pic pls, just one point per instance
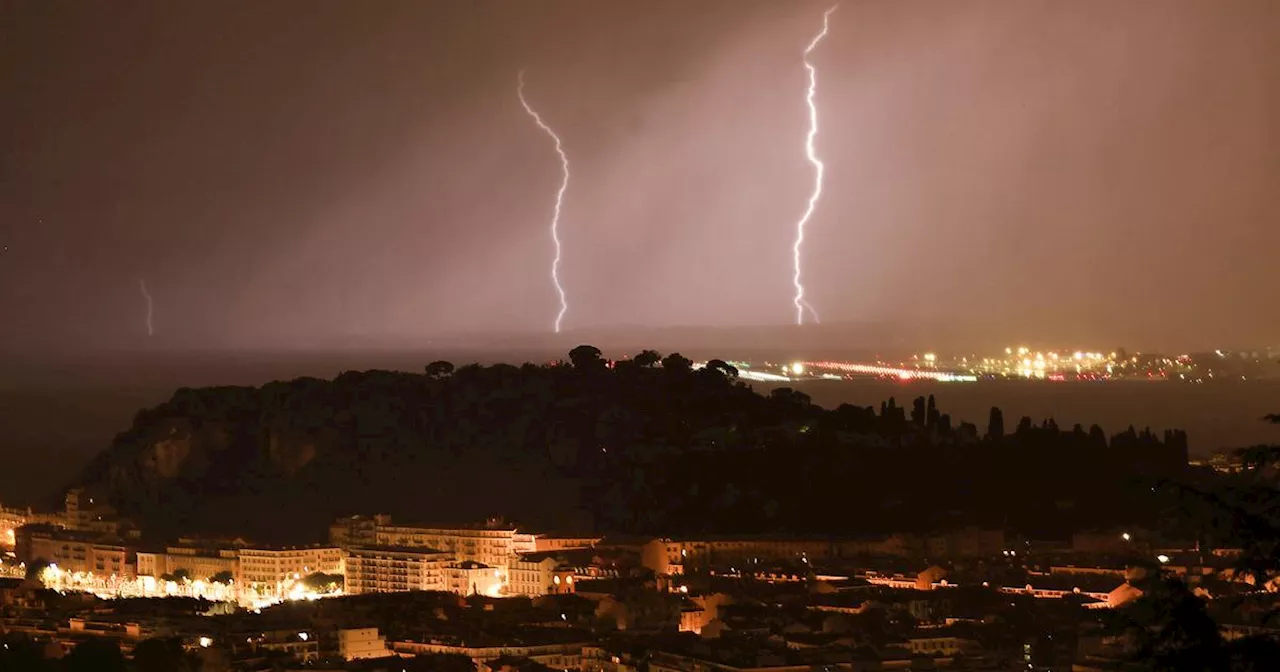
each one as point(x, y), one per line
point(555, 218)
point(818, 169)
point(142, 285)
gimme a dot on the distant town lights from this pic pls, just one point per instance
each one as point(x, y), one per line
point(797, 368)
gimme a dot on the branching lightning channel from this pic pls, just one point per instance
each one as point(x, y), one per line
point(818, 169)
point(555, 218)
point(142, 285)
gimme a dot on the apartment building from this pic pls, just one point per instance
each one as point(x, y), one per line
point(474, 578)
point(387, 569)
point(73, 551)
point(273, 568)
point(199, 563)
point(536, 574)
point(490, 544)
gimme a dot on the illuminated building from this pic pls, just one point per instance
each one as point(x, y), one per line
point(272, 569)
point(474, 578)
point(535, 574)
point(545, 543)
point(197, 562)
point(383, 569)
point(72, 551)
point(362, 644)
point(10, 520)
point(492, 544)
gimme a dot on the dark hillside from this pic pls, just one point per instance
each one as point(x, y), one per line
point(658, 448)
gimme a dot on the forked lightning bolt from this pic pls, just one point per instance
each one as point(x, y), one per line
point(555, 218)
point(142, 285)
point(818, 168)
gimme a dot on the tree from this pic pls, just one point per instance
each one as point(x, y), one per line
point(181, 575)
point(917, 412)
point(439, 369)
point(720, 366)
point(1172, 629)
point(223, 577)
point(648, 358)
point(323, 583)
point(161, 655)
point(20, 654)
point(995, 424)
point(95, 655)
point(36, 568)
point(586, 358)
point(676, 363)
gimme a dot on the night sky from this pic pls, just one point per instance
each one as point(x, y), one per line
point(1072, 172)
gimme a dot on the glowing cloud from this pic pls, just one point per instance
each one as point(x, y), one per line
point(818, 167)
point(555, 218)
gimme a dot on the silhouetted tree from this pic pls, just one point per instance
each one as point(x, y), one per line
point(648, 358)
point(995, 424)
point(321, 582)
point(439, 369)
point(1172, 629)
point(917, 412)
point(676, 363)
point(20, 654)
point(224, 576)
point(36, 567)
point(586, 358)
point(162, 655)
point(719, 365)
point(95, 655)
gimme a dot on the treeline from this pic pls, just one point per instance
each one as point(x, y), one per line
point(646, 445)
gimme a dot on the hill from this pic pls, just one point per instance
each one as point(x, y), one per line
point(643, 446)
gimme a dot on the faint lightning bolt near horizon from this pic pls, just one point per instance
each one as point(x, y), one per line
point(564, 184)
point(818, 169)
point(142, 285)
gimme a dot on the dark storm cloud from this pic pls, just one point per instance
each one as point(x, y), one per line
point(283, 173)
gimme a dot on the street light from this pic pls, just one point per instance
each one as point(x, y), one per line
point(1126, 536)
